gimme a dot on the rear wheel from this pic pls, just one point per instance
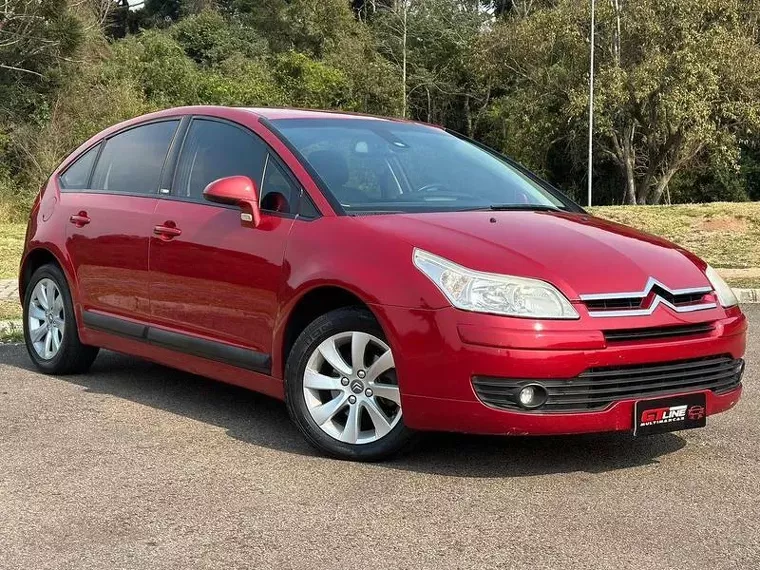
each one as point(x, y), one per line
point(50, 330)
point(342, 390)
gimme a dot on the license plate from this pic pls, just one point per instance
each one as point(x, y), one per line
point(669, 414)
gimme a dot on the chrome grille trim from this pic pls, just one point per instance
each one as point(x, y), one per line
point(651, 309)
point(641, 295)
point(651, 282)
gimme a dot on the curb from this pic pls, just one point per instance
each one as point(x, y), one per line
point(747, 296)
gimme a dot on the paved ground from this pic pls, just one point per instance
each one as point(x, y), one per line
point(9, 289)
point(138, 466)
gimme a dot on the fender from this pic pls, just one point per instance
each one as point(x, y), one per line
point(63, 260)
point(294, 296)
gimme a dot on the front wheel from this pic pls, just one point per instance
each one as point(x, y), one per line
point(341, 387)
point(50, 329)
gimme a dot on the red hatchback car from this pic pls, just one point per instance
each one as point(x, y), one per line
point(380, 276)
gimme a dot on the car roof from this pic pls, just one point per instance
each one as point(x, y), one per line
point(273, 113)
point(267, 113)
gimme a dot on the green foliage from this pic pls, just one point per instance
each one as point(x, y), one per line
point(670, 88)
point(208, 39)
point(677, 100)
point(310, 83)
point(36, 38)
point(431, 45)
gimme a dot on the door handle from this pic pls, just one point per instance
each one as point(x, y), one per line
point(167, 231)
point(80, 220)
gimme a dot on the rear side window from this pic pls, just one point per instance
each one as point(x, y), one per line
point(214, 150)
point(77, 176)
point(132, 161)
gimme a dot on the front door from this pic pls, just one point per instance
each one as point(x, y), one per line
point(109, 215)
point(213, 280)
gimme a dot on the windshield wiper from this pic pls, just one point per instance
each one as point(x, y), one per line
point(523, 207)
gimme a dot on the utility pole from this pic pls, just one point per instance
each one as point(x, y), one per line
point(591, 105)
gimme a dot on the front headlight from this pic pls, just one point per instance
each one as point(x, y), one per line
point(722, 290)
point(471, 290)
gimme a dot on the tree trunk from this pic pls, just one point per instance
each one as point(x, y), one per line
point(429, 105)
point(629, 163)
point(662, 183)
point(642, 192)
point(616, 35)
point(630, 184)
point(468, 115)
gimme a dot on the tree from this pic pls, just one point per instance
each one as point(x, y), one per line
point(430, 42)
point(675, 79)
point(35, 37)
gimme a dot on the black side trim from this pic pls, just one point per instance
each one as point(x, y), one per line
point(194, 346)
point(113, 325)
point(219, 352)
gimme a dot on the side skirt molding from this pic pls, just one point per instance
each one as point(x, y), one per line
point(187, 344)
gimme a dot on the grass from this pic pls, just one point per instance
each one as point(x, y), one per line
point(12, 334)
point(11, 247)
point(725, 234)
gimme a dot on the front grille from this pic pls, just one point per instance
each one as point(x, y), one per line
point(625, 303)
point(597, 388)
point(658, 333)
point(614, 304)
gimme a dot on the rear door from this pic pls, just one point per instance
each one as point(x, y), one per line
point(109, 212)
point(214, 283)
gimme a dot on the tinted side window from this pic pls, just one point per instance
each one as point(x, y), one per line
point(132, 161)
point(214, 150)
point(77, 176)
point(306, 207)
point(277, 191)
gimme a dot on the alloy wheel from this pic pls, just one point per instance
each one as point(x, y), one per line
point(350, 388)
point(46, 318)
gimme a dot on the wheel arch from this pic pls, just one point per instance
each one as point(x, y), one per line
point(306, 306)
point(36, 258)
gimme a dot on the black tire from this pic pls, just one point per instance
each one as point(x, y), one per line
point(337, 321)
point(73, 357)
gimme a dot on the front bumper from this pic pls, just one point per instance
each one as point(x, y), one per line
point(438, 352)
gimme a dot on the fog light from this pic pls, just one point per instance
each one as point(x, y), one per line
point(532, 396)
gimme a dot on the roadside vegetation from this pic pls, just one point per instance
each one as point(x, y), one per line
point(677, 81)
point(726, 235)
point(11, 247)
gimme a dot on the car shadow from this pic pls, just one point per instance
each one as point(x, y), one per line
point(259, 420)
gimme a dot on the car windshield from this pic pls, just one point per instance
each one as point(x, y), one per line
point(373, 165)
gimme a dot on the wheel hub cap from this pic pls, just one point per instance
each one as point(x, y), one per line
point(46, 318)
point(350, 388)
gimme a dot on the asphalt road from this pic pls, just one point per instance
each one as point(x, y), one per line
point(139, 466)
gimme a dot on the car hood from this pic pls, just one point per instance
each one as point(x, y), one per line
point(578, 253)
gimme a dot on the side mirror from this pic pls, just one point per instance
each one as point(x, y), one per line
point(237, 191)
